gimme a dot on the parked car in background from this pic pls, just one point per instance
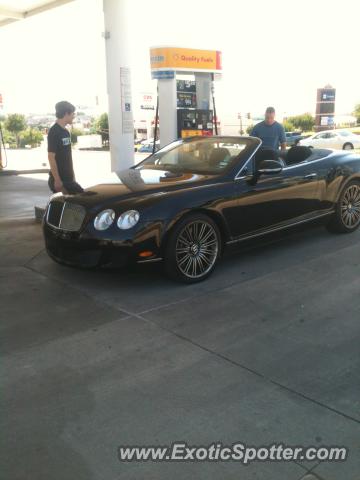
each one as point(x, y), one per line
point(293, 138)
point(137, 145)
point(148, 147)
point(337, 139)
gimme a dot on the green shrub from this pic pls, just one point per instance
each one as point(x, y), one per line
point(101, 127)
point(75, 133)
point(288, 126)
point(304, 122)
point(31, 137)
point(8, 137)
point(15, 123)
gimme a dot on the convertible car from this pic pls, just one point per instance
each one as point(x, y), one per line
point(184, 204)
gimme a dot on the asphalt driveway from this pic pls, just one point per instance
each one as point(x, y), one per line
point(266, 351)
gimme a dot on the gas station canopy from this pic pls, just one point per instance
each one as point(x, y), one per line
point(14, 10)
point(121, 127)
point(165, 61)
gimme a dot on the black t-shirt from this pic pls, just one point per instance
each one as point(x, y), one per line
point(59, 142)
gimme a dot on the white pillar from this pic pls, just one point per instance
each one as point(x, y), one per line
point(121, 124)
point(167, 110)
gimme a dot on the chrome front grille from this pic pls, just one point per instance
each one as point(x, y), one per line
point(66, 216)
point(54, 213)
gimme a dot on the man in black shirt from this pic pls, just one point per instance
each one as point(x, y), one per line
point(61, 176)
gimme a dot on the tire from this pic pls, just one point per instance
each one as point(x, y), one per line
point(193, 249)
point(348, 146)
point(347, 214)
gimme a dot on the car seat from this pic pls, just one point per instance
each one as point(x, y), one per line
point(264, 154)
point(298, 154)
point(218, 155)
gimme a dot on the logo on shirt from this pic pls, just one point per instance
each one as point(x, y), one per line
point(66, 141)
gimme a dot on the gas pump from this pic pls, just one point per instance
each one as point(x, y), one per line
point(186, 103)
point(194, 122)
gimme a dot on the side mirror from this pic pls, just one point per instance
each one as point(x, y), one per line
point(269, 167)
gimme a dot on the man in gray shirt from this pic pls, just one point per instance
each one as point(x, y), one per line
point(270, 131)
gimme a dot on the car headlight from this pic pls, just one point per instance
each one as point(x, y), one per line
point(128, 219)
point(104, 219)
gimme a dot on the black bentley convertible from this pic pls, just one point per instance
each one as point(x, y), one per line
point(190, 199)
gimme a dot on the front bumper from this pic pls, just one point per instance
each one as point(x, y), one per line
point(81, 250)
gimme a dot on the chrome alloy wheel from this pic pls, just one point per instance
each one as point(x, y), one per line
point(350, 206)
point(197, 249)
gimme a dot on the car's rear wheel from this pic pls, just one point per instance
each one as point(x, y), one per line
point(192, 249)
point(347, 215)
point(348, 146)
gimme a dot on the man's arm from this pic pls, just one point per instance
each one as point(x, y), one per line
point(282, 138)
point(52, 147)
point(55, 172)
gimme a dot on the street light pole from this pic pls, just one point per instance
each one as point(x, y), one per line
point(241, 123)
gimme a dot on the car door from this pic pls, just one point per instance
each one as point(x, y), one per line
point(323, 140)
point(276, 200)
point(315, 141)
point(334, 140)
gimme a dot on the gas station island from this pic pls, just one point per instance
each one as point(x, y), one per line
point(185, 91)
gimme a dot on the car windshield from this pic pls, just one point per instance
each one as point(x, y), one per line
point(203, 155)
point(344, 133)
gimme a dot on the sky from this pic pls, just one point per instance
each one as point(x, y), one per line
point(274, 52)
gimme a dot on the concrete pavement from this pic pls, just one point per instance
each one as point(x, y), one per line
point(266, 351)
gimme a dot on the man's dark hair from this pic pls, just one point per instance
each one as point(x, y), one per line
point(63, 108)
point(270, 110)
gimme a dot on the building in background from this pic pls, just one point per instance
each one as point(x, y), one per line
point(144, 115)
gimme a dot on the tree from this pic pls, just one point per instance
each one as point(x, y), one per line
point(8, 138)
point(32, 137)
point(15, 123)
point(356, 112)
point(288, 126)
point(75, 133)
point(304, 122)
point(102, 127)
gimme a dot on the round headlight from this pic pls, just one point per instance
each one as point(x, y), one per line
point(128, 219)
point(104, 219)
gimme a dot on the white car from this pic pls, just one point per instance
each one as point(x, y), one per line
point(337, 139)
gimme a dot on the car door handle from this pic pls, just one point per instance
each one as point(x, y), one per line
point(311, 175)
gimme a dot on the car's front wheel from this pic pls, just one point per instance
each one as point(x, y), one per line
point(192, 249)
point(348, 146)
point(347, 215)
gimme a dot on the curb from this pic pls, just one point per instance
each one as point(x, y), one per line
point(39, 213)
point(23, 172)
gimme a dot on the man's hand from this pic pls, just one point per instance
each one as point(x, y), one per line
point(58, 185)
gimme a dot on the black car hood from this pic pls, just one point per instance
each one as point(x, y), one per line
point(139, 183)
